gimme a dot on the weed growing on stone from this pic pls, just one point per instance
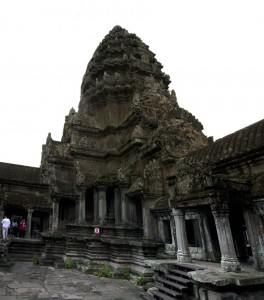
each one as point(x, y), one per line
point(105, 271)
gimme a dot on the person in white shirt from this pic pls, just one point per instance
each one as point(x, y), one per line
point(5, 227)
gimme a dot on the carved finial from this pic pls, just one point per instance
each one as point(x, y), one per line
point(48, 138)
point(173, 98)
point(72, 111)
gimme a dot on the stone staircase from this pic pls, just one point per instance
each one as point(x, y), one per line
point(174, 285)
point(25, 249)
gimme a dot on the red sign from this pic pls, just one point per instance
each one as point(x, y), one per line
point(96, 230)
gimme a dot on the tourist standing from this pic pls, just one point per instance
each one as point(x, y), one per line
point(5, 226)
point(22, 228)
point(14, 226)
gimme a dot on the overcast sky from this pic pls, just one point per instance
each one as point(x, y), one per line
point(212, 50)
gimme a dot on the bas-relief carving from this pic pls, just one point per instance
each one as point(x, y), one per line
point(184, 183)
point(79, 175)
point(88, 143)
point(124, 173)
point(153, 175)
point(136, 101)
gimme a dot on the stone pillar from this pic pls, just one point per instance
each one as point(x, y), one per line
point(96, 206)
point(255, 229)
point(80, 207)
point(102, 204)
point(124, 206)
point(29, 219)
point(173, 236)
point(229, 261)
point(2, 212)
point(183, 253)
point(55, 214)
point(50, 221)
point(117, 206)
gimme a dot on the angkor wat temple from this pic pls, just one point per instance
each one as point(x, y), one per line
point(134, 180)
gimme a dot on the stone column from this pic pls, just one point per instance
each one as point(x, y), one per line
point(183, 253)
point(96, 206)
point(55, 214)
point(50, 221)
point(29, 219)
point(2, 212)
point(80, 207)
point(173, 236)
point(102, 204)
point(229, 261)
point(124, 204)
point(117, 206)
point(255, 229)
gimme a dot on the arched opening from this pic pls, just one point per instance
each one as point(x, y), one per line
point(239, 229)
point(39, 223)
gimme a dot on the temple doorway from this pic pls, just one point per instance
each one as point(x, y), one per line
point(239, 232)
point(66, 212)
point(89, 205)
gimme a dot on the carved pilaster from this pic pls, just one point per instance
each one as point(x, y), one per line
point(55, 214)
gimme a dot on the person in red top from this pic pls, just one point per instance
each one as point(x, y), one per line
point(22, 228)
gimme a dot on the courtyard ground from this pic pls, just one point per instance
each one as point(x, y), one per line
point(26, 281)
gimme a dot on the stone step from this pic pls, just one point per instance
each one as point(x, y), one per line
point(187, 267)
point(179, 272)
point(174, 285)
point(178, 279)
point(161, 296)
point(168, 291)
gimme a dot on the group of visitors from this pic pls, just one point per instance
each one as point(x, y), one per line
point(15, 228)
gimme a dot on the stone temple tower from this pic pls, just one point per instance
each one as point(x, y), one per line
point(134, 179)
point(110, 168)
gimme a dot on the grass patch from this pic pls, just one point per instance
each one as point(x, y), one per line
point(36, 258)
point(69, 263)
point(104, 271)
point(140, 281)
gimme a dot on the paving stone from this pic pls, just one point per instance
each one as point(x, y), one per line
point(27, 281)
